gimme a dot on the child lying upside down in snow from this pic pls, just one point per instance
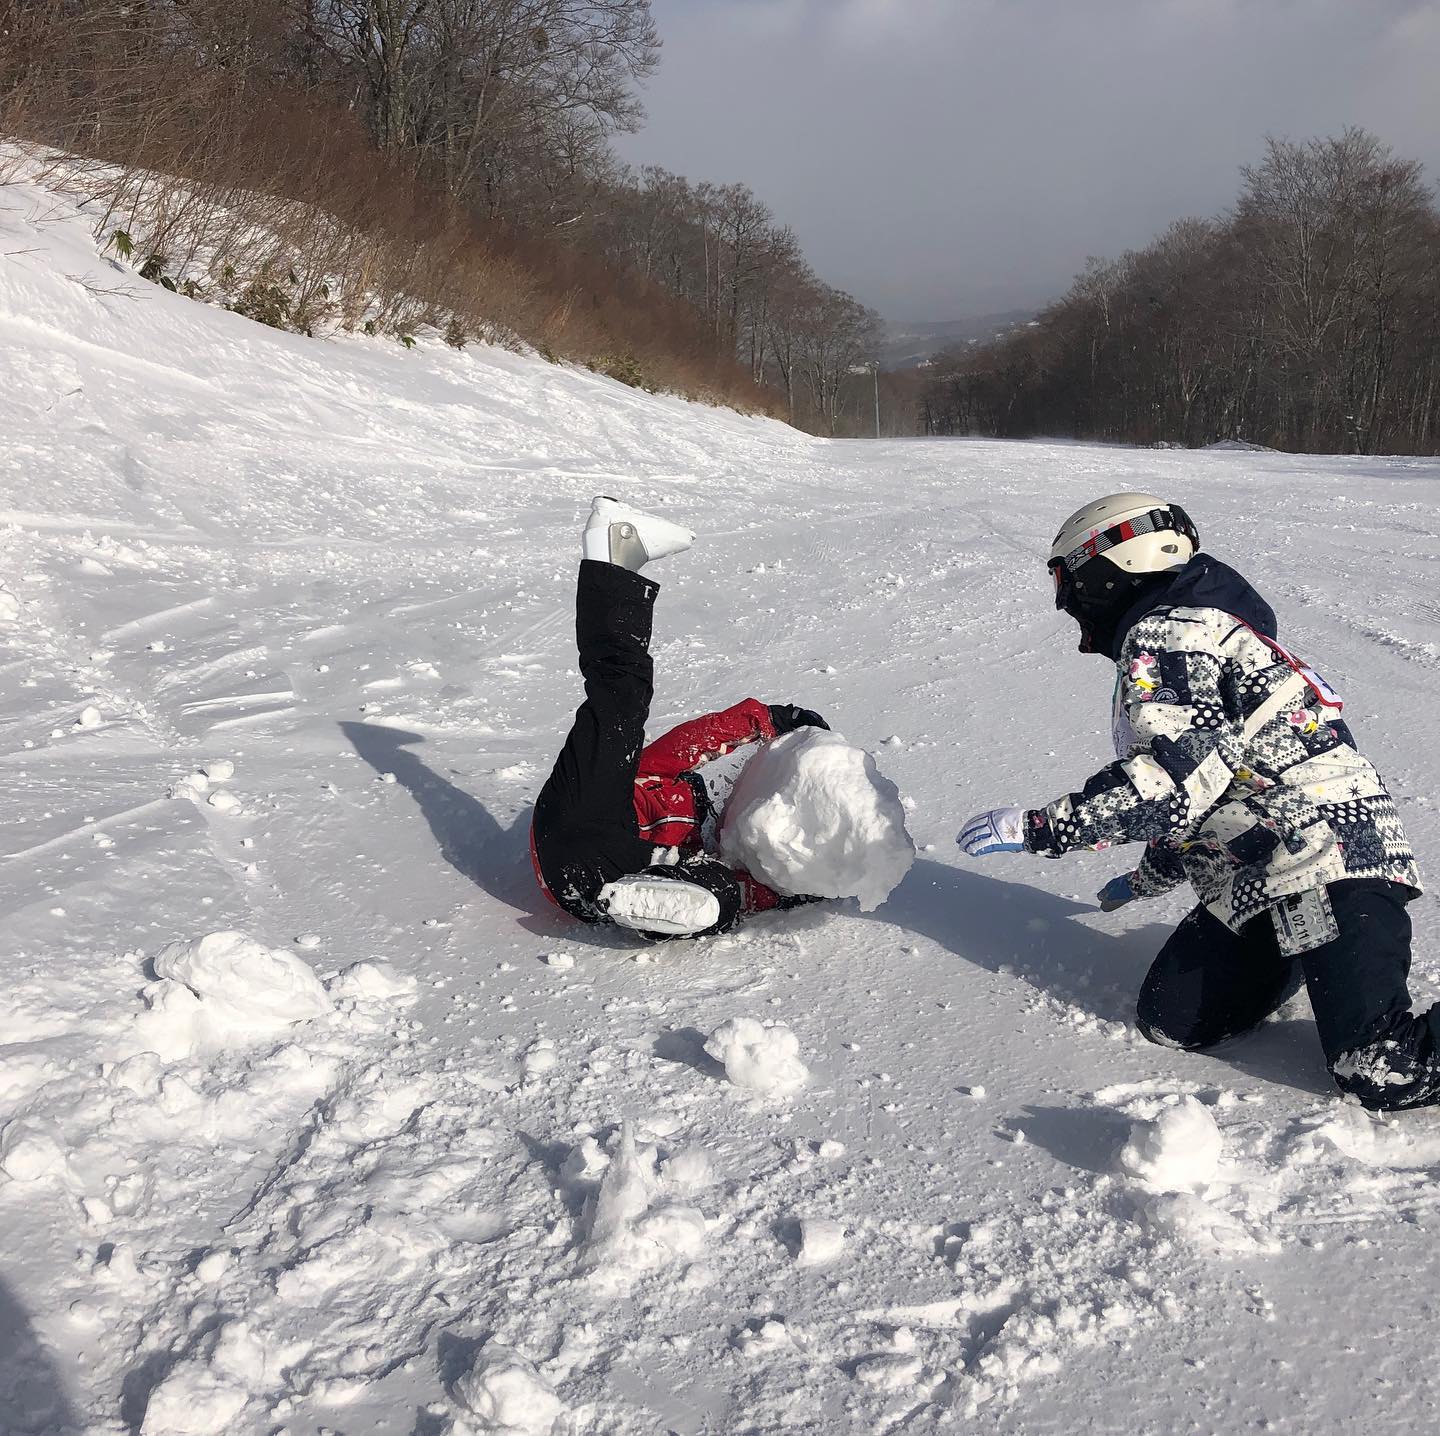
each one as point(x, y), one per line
point(616, 835)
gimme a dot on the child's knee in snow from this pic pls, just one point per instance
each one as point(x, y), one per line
point(1152, 1031)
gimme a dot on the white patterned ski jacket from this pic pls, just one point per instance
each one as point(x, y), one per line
point(1233, 766)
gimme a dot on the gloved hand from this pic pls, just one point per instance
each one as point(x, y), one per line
point(1001, 830)
point(787, 718)
point(1116, 893)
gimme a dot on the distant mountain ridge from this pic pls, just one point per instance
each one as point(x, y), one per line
point(908, 345)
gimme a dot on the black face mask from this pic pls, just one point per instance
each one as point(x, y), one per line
point(1100, 597)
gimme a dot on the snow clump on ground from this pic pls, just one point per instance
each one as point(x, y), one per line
point(224, 990)
point(1177, 1152)
point(633, 1226)
point(1176, 1159)
point(759, 1058)
point(503, 1392)
point(821, 1241)
point(812, 815)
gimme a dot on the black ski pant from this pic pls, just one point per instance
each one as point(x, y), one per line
point(1209, 983)
point(585, 832)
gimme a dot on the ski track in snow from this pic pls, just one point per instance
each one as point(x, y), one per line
point(497, 1168)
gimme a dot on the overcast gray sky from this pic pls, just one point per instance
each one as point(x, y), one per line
point(943, 158)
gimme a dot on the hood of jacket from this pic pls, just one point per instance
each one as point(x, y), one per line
point(1204, 582)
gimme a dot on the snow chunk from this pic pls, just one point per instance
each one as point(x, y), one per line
point(9, 606)
point(89, 718)
point(764, 1336)
point(760, 1058)
point(505, 1393)
point(192, 1401)
point(1178, 1152)
point(627, 1234)
point(821, 1241)
point(1203, 1224)
point(212, 1266)
point(373, 982)
point(688, 1169)
point(257, 982)
point(223, 990)
point(888, 1370)
point(812, 815)
point(192, 786)
point(31, 1151)
point(585, 1162)
point(539, 1058)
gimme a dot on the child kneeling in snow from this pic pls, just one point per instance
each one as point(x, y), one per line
point(616, 835)
point(1235, 768)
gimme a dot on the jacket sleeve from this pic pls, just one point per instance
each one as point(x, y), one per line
point(1186, 750)
point(711, 736)
point(1160, 870)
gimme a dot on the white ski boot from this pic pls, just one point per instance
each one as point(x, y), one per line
point(616, 533)
point(667, 906)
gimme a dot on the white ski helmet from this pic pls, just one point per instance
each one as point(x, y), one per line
point(1109, 553)
point(1138, 533)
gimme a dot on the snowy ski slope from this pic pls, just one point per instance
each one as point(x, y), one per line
point(373, 1178)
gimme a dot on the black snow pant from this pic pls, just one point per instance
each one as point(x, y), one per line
point(1209, 983)
point(585, 831)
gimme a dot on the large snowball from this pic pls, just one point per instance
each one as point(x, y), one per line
point(811, 815)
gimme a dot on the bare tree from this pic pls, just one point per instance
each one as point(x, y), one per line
point(1305, 319)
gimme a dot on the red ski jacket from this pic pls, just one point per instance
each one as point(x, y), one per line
point(666, 810)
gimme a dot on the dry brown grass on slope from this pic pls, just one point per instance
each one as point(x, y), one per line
point(280, 206)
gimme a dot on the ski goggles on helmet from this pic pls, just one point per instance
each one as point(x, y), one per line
point(1064, 583)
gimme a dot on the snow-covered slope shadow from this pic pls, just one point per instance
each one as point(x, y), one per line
point(467, 834)
point(1014, 927)
point(33, 1394)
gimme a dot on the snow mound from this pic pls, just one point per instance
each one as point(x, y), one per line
point(1374, 1144)
point(811, 815)
point(192, 1401)
point(1177, 1152)
point(504, 1392)
point(1203, 1224)
point(226, 990)
point(759, 1058)
point(373, 982)
point(31, 1151)
point(630, 1232)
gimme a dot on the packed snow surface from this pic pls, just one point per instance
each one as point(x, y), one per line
point(478, 1166)
point(811, 814)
